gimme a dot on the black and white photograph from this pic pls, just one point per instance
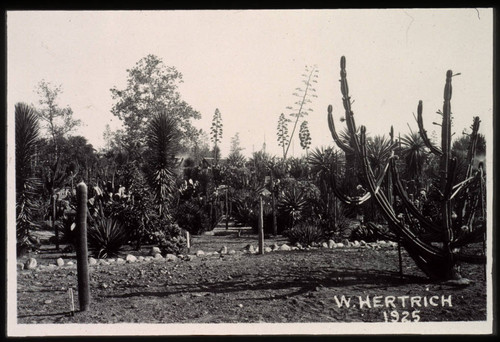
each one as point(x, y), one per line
point(249, 172)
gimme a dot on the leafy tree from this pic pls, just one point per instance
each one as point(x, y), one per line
point(152, 87)
point(58, 122)
point(78, 155)
point(113, 139)
point(216, 133)
point(27, 140)
point(304, 98)
point(236, 144)
point(201, 147)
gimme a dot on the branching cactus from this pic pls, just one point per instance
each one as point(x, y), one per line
point(434, 243)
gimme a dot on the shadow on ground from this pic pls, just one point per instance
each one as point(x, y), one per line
point(299, 281)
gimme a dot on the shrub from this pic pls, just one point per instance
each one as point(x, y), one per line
point(194, 216)
point(106, 237)
point(171, 240)
point(167, 235)
point(305, 234)
point(335, 223)
point(371, 232)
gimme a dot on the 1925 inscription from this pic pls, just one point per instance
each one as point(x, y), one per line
point(400, 308)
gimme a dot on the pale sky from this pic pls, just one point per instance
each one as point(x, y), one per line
point(248, 63)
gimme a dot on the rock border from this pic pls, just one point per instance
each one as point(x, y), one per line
point(155, 255)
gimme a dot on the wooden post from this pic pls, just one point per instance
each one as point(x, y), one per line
point(273, 207)
point(261, 226)
point(71, 302)
point(227, 212)
point(54, 213)
point(82, 250)
point(398, 236)
point(188, 241)
point(400, 260)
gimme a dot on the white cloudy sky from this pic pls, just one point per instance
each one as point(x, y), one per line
point(248, 63)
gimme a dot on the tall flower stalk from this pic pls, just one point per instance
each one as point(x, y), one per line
point(304, 98)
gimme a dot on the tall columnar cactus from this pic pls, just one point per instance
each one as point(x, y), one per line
point(434, 244)
point(82, 249)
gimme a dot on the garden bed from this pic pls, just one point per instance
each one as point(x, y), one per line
point(282, 286)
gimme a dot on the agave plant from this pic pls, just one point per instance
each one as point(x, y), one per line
point(293, 204)
point(305, 234)
point(106, 237)
point(27, 140)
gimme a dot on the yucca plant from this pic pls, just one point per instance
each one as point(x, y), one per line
point(27, 141)
point(162, 140)
point(106, 237)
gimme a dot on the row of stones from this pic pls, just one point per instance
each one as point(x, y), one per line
point(155, 254)
point(329, 244)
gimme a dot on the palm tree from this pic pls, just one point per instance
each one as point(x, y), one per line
point(163, 145)
point(414, 154)
point(379, 150)
point(27, 141)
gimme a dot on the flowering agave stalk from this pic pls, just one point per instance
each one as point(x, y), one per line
point(304, 98)
point(305, 137)
point(282, 133)
point(433, 243)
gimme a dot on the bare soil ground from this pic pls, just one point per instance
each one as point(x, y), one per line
point(283, 286)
